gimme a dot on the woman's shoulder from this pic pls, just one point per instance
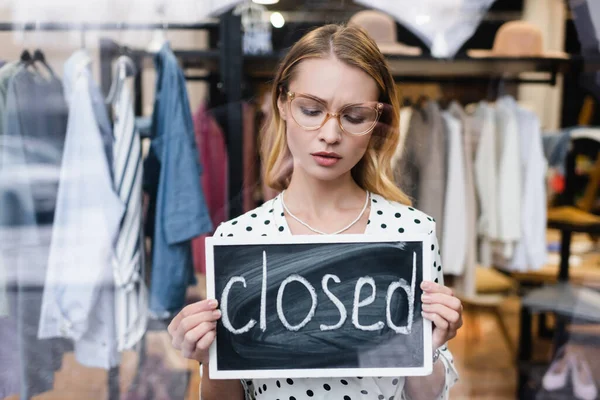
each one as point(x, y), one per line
point(403, 217)
point(249, 220)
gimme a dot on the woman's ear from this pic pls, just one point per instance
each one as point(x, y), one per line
point(281, 106)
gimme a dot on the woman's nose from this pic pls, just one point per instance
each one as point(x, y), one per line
point(330, 131)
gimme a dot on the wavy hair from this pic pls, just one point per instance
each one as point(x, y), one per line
point(353, 46)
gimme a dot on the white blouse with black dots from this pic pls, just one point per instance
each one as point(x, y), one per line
point(385, 217)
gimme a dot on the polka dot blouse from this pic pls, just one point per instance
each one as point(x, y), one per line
point(385, 217)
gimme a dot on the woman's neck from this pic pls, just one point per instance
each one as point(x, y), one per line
point(316, 198)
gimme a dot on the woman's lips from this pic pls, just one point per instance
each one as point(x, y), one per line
point(326, 159)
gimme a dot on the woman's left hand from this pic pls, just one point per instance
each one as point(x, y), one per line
point(443, 309)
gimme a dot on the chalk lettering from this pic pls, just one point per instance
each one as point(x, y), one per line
point(336, 301)
point(224, 312)
point(313, 295)
point(263, 295)
point(365, 280)
point(410, 297)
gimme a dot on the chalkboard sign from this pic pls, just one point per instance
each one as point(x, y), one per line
point(319, 306)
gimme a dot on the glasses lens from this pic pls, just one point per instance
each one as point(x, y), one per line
point(307, 112)
point(358, 119)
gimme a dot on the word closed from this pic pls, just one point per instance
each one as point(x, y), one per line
point(358, 303)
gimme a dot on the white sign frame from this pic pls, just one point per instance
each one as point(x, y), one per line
point(425, 370)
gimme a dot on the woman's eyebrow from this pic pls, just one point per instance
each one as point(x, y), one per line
point(325, 102)
point(320, 100)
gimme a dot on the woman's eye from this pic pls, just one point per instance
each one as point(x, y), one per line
point(354, 119)
point(311, 112)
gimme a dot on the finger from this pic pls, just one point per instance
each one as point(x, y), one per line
point(441, 298)
point(450, 315)
point(191, 339)
point(438, 321)
point(206, 341)
point(432, 287)
point(201, 351)
point(200, 306)
point(191, 322)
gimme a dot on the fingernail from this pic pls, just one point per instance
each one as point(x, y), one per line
point(426, 285)
point(425, 298)
point(212, 303)
point(217, 313)
point(426, 306)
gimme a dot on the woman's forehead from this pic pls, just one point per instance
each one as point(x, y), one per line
point(334, 81)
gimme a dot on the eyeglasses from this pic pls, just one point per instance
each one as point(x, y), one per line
point(355, 119)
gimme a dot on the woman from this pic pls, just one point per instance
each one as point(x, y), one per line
point(334, 131)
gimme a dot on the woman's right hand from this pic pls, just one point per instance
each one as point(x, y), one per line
point(194, 329)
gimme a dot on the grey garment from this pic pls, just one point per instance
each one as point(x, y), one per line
point(6, 73)
point(422, 170)
point(587, 25)
point(467, 282)
point(35, 128)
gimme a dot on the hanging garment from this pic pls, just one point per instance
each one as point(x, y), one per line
point(78, 300)
point(486, 180)
point(213, 156)
point(455, 233)
point(6, 73)
point(32, 142)
point(531, 250)
point(443, 25)
point(9, 335)
point(509, 175)
point(467, 284)
point(421, 172)
point(181, 212)
point(131, 293)
point(586, 17)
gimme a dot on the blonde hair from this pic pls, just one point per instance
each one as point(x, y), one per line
point(353, 46)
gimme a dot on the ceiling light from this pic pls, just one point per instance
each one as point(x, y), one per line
point(277, 19)
point(266, 1)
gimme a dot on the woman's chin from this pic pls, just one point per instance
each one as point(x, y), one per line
point(326, 173)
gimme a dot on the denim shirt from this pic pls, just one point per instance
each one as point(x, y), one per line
point(181, 211)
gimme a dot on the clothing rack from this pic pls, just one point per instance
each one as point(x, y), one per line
point(223, 60)
point(111, 26)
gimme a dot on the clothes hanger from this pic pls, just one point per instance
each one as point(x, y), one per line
point(159, 36)
point(120, 72)
point(496, 88)
point(26, 57)
point(38, 56)
point(444, 102)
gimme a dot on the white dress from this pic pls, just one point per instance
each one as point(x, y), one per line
point(385, 217)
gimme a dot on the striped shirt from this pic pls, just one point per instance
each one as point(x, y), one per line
point(131, 294)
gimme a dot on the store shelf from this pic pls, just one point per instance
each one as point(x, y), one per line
point(427, 69)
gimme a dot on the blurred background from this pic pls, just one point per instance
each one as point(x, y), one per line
point(96, 256)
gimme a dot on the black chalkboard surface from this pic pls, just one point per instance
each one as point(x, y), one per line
point(319, 306)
